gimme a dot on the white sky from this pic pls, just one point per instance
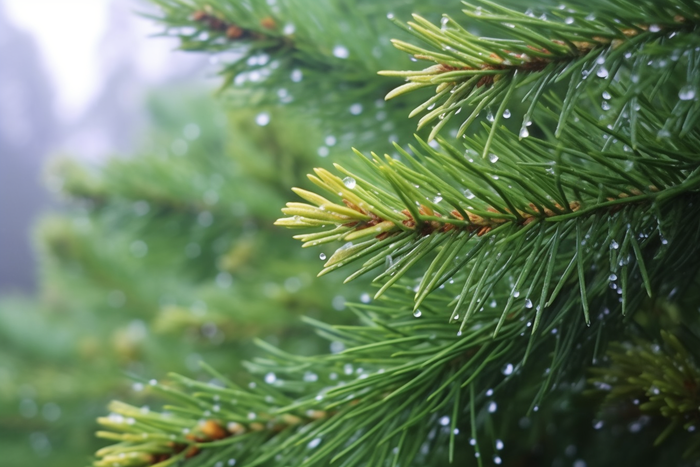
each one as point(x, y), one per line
point(69, 33)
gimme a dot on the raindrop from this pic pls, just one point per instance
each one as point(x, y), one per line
point(516, 294)
point(444, 421)
point(490, 117)
point(493, 407)
point(614, 245)
point(323, 151)
point(314, 442)
point(341, 52)
point(356, 109)
point(686, 93)
point(365, 298)
point(612, 277)
point(654, 28)
point(437, 198)
point(507, 369)
point(499, 445)
point(606, 95)
point(349, 182)
point(598, 424)
point(506, 113)
point(468, 194)
point(569, 20)
point(493, 158)
point(605, 105)
point(417, 313)
point(602, 72)
point(489, 393)
point(524, 133)
point(262, 119)
point(472, 441)
point(528, 303)
point(496, 460)
point(322, 256)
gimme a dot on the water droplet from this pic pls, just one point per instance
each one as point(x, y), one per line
point(507, 369)
point(493, 407)
point(506, 113)
point(524, 133)
point(598, 424)
point(262, 119)
point(489, 393)
point(468, 194)
point(569, 20)
point(654, 28)
point(365, 298)
point(489, 116)
point(349, 182)
point(341, 51)
point(417, 313)
point(499, 445)
point(356, 108)
point(493, 158)
point(528, 303)
point(614, 245)
point(606, 95)
point(496, 460)
point(323, 151)
point(612, 277)
point(270, 378)
point(602, 72)
point(313, 443)
point(437, 198)
point(445, 420)
point(516, 294)
point(686, 93)
point(322, 256)
point(251, 416)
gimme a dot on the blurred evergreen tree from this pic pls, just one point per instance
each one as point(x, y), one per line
point(158, 261)
point(537, 300)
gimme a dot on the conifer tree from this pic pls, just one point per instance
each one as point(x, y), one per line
point(534, 248)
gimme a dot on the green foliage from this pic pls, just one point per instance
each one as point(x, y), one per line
point(139, 269)
point(533, 54)
point(509, 258)
point(661, 381)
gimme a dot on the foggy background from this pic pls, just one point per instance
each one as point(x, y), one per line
point(73, 74)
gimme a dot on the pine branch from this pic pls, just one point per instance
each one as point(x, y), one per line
point(321, 409)
point(662, 380)
point(533, 54)
point(444, 200)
